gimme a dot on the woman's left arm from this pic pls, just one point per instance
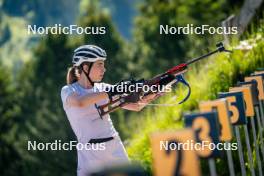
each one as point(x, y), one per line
point(142, 103)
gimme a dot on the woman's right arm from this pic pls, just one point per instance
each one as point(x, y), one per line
point(89, 99)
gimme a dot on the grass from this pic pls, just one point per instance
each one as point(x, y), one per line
point(207, 78)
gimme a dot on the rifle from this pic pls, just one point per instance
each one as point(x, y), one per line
point(177, 71)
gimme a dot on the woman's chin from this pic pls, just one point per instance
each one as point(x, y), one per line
point(100, 79)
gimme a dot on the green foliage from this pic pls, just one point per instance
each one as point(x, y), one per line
point(42, 12)
point(160, 51)
point(41, 119)
point(8, 111)
point(14, 42)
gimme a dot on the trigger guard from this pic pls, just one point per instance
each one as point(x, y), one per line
point(181, 79)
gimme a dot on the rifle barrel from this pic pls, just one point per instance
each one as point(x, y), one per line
point(201, 57)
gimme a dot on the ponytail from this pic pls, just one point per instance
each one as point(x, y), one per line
point(73, 75)
point(74, 72)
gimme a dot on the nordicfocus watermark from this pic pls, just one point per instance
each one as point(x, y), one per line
point(59, 145)
point(71, 29)
point(203, 29)
point(192, 145)
point(138, 87)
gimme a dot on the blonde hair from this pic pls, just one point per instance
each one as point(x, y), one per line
point(73, 74)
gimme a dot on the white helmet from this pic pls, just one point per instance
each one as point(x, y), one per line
point(88, 53)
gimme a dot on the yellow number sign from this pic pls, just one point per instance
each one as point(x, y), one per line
point(236, 107)
point(260, 85)
point(221, 106)
point(173, 154)
point(248, 99)
point(206, 127)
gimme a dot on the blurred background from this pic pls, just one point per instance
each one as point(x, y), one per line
point(33, 69)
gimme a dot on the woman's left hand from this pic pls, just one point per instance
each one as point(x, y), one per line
point(151, 97)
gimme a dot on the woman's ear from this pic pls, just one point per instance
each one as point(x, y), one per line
point(85, 67)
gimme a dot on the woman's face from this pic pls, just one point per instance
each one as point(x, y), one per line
point(97, 71)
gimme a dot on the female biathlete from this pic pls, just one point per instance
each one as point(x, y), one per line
point(79, 96)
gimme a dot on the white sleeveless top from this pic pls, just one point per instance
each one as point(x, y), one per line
point(85, 121)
